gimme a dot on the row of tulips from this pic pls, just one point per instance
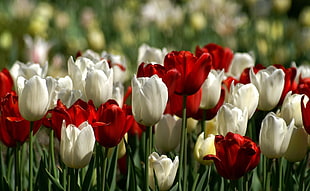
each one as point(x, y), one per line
point(214, 106)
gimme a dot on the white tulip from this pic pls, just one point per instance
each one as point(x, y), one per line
point(99, 85)
point(164, 169)
point(230, 118)
point(298, 145)
point(151, 55)
point(211, 89)
point(274, 136)
point(149, 99)
point(167, 133)
point(291, 108)
point(240, 62)
point(244, 96)
point(76, 144)
point(34, 97)
point(269, 83)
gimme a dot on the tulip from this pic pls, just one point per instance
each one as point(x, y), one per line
point(78, 71)
point(204, 146)
point(6, 82)
point(149, 99)
point(99, 85)
point(291, 108)
point(274, 136)
point(211, 89)
point(269, 81)
point(76, 144)
point(118, 64)
point(240, 62)
point(221, 56)
point(298, 145)
point(34, 97)
point(110, 124)
point(28, 70)
point(231, 119)
point(244, 96)
point(235, 155)
point(167, 133)
point(151, 54)
point(193, 70)
point(37, 49)
point(13, 127)
point(164, 169)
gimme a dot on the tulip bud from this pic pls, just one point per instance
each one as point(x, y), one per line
point(244, 96)
point(167, 133)
point(151, 55)
point(149, 99)
point(204, 146)
point(99, 85)
point(298, 145)
point(164, 169)
point(291, 108)
point(269, 81)
point(34, 99)
point(76, 144)
point(231, 119)
point(239, 62)
point(211, 89)
point(274, 136)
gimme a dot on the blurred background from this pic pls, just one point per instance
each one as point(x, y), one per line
point(274, 31)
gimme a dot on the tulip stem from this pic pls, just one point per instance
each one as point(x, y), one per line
point(104, 167)
point(183, 147)
point(148, 138)
point(17, 153)
point(52, 157)
point(98, 164)
point(31, 157)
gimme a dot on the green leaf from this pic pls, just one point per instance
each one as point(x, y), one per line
point(89, 175)
point(54, 180)
point(113, 169)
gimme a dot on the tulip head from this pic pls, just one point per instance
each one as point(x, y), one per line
point(204, 146)
point(240, 62)
point(76, 144)
point(211, 89)
point(33, 99)
point(231, 119)
point(235, 155)
point(164, 169)
point(291, 108)
point(149, 99)
point(244, 96)
point(269, 81)
point(274, 135)
point(298, 145)
point(167, 133)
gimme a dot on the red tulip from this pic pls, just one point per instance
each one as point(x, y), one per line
point(169, 77)
point(221, 57)
point(305, 111)
point(13, 127)
point(79, 112)
point(110, 125)
point(235, 155)
point(6, 82)
point(245, 75)
point(193, 70)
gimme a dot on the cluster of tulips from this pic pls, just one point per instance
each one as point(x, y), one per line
point(214, 106)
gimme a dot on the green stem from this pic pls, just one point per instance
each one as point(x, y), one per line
point(64, 178)
point(104, 167)
point(99, 157)
point(183, 147)
point(280, 174)
point(52, 153)
point(148, 148)
point(17, 154)
point(31, 157)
